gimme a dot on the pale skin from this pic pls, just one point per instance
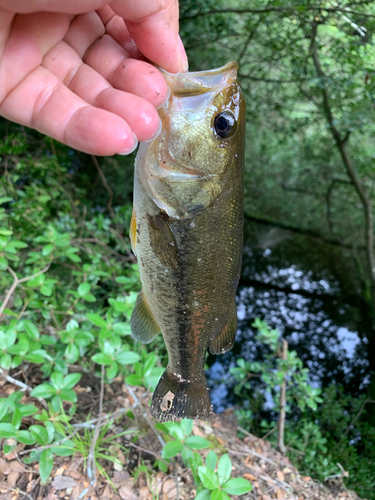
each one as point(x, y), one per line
point(80, 70)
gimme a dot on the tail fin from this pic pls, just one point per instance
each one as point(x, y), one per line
point(175, 397)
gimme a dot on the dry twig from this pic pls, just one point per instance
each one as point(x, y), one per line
point(16, 282)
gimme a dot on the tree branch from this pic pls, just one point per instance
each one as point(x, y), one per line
point(283, 10)
point(352, 174)
point(16, 282)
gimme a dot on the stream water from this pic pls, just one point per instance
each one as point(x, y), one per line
point(304, 301)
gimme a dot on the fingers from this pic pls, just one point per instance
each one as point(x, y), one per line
point(24, 50)
point(85, 82)
point(66, 6)
point(115, 27)
point(110, 60)
point(42, 102)
point(154, 28)
point(137, 77)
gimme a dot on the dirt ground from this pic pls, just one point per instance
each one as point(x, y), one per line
point(271, 474)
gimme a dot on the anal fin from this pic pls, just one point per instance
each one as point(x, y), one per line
point(225, 340)
point(142, 323)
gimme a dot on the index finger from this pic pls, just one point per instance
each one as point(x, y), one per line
point(154, 28)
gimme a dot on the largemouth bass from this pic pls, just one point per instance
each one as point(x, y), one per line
point(186, 232)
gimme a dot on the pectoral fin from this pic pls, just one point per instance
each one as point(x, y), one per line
point(162, 240)
point(225, 340)
point(133, 233)
point(142, 323)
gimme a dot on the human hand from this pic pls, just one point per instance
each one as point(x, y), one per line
point(76, 70)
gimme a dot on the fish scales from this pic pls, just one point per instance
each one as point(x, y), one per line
point(187, 234)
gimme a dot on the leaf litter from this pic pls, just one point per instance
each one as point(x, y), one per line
point(271, 474)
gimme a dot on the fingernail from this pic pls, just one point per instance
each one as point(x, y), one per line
point(166, 99)
point(131, 149)
point(157, 132)
point(183, 56)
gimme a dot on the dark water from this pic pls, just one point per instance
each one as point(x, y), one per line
point(294, 290)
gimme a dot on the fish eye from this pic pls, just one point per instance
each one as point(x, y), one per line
point(224, 124)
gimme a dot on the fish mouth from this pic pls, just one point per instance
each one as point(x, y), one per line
point(199, 82)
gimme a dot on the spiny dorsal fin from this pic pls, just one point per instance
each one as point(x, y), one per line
point(162, 240)
point(133, 232)
point(142, 323)
point(225, 340)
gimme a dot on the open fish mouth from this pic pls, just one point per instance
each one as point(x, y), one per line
point(196, 83)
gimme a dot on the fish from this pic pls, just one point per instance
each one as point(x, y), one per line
point(187, 233)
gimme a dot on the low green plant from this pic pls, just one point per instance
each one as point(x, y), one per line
point(210, 485)
point(271, 372)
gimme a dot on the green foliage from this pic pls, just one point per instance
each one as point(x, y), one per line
point(322, 427)
point(210, 484)
point(270, 373)
point(70, 284)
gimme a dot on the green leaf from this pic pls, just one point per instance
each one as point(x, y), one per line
point(237, 486)
point(203, 495)
point(134, 380)
point(47, 249)
point(5, 199)
point(175, 431)
point(8, 448)
point(83, 339)
point(71, 353)
point(27, 410)
point(68, 395)
point(66, 449)
point(217, 494)
point(97, 320)
point(43, 391)
point(72, 325)
point(162, 466)
point(224, 469)
point(25, 437)
point(89, 297)
point(56, 403)
point(83, 289)
point(17, 418)
point(46, 290)
point(45, 464)
point(20, 348)
point(211, 460)
point(3, 263)
point(5, 232)
point(122, 328)
point(7, 430)
point(40, 433)
point(57, 379)
point(123, 280)
point(186, 426)
point(127, 357)
point(102, 359)
point(31, 329)
point(6, 361)
point(71, 380)
point(197, 442)
point(36, 357)
point(208, 478)
point(112, 370)
point(171, 449)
